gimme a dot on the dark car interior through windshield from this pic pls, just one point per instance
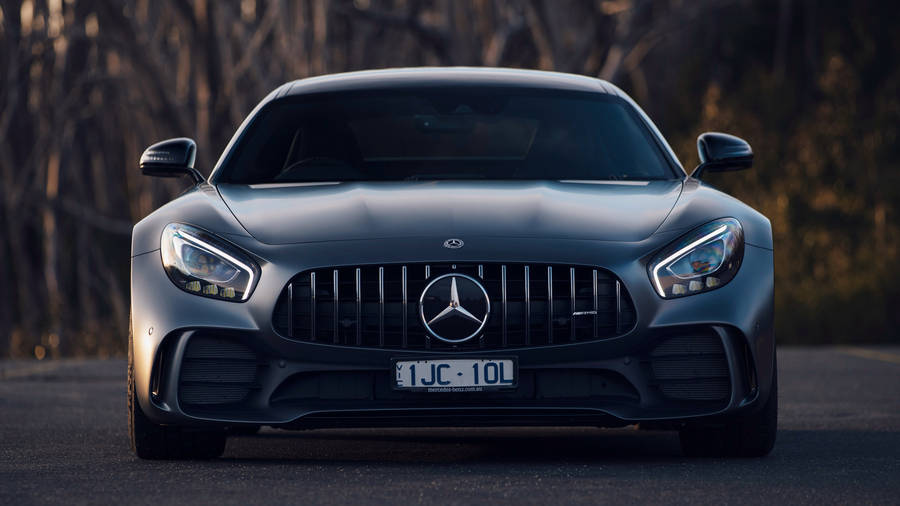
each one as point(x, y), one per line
point(446, 135)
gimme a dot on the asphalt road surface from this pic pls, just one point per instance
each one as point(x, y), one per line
point(63, 440)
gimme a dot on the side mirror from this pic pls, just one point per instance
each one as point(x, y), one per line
point(722, 153)
point(171, 158)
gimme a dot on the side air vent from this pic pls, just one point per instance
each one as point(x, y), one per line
point(691, 366)
point(216, 371)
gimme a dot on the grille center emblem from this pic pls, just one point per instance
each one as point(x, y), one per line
point(454, 243)
point(454, 307)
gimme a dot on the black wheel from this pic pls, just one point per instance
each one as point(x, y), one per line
point(152, 441)
point(750, 436)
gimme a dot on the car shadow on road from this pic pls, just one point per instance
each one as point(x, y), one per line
point(595, 446)
point(420, 446)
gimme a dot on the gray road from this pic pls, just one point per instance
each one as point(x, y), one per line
point(62, 440)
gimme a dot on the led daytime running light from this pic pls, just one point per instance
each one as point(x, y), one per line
point(221, 254)
point(680, 253)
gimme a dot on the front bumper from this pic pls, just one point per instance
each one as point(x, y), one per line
point(299, 384)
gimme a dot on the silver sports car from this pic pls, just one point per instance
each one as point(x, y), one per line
point(451, 247)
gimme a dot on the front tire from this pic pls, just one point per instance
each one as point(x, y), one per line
point(752, 435)
point(152, 441)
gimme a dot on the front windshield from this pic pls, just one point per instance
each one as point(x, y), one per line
point(446, 134)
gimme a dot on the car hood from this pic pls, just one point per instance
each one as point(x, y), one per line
point(606, 211)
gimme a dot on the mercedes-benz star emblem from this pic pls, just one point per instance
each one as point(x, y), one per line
point(454, 307)
point(454, 243)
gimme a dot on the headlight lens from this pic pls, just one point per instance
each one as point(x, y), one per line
point(203, 264)
point(705, 259)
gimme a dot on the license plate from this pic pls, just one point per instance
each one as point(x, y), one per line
point(455, 375)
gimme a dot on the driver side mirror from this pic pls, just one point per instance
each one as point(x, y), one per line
point(171, 158)
point(722, 153)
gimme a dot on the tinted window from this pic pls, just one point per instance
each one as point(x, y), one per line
point(446, 135)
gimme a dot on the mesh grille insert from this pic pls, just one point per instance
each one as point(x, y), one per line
point(691, 366)
point(216, 371)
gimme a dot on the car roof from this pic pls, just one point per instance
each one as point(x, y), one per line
point(446, 76)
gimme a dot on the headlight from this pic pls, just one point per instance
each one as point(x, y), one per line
point(705, 259)
point(202, 264)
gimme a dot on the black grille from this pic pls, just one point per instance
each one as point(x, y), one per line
point(377, 306)
point(692, 366)
point(216, 371)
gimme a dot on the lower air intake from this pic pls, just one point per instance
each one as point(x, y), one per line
point(216, 371)
point(692, 366)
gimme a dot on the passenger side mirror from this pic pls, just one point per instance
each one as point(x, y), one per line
point(171, 158)
point(722, 153)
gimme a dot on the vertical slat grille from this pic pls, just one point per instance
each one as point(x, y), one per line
point(405, 310)
point(381, 306)
point(572, 303)
point(335, 295)
point(312, 306)
point(290, 326)
point(618, 305)
point(531, 305)
point(549, 304)
point(358, 323)
point(596, 303)
point(527, 305)
point(503, 297)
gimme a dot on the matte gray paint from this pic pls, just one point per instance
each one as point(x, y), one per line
point(699, 201)
point(200, 206)
point(547, 209)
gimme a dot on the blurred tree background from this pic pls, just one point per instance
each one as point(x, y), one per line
point(814, 85)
